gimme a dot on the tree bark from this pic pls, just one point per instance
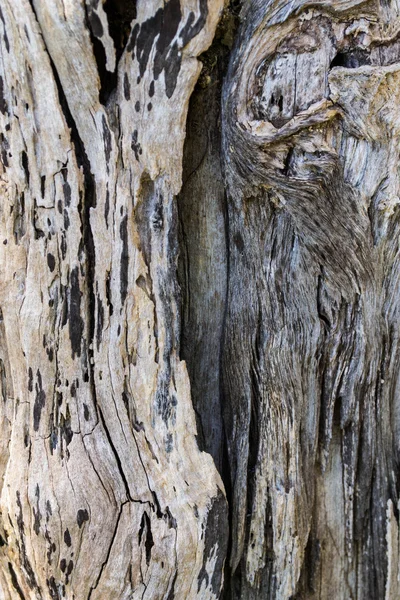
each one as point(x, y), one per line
point(105, 493)
point(310, 148)
point(199, 303)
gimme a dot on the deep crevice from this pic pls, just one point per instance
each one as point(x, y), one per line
point(202, 147)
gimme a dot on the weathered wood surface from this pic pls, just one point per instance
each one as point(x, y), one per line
point(311, 357)
point(283, 303)
point(104, 492)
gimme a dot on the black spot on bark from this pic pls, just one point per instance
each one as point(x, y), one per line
point(3, 103)
point(19, 218)
point(43, 185)
point(151, 89)
point(5, 32)
point(145, 39)
point(25, 165)
point(27, 34)
point(53, 590)
point(65, 428)
point(163, 27)
point(216, 533)
point(136, 147)
point(67, 192)
point(132, 40)
point(53, 441)
point(108, 295)
point(36, 512)
point(39, 401)
point(107, 140)
point(95, 22)
point(82, 516)
point(127, 89)
point(137, 106)
point(14, 581)
point(125, 400)
point(100, 322)
point(123, 232)
point(107, 207)
point(172, 524)
point(30, 379)
point(149, 106)
point(171, 594)
point(67, 538)
point(64, 313)
point(120, 14)
point(51, 546)
point(63, 246)
point(86, 412)
point(66, 219)
point(3, 380)
point(63, 565)
point(30, 575)
point(75, 320)
point(51, 262)
point(171, 20)
point(191, 28)
point(69, 571)
point(145, 526)
point(4, 149)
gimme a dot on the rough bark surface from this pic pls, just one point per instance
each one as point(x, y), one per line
point(247, 227)
point(104, 492)
point(311, 354)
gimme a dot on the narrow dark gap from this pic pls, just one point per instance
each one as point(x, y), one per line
point(203, 235)
point(201, 154)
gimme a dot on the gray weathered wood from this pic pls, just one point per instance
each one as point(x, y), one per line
point(104, 492)
point(311, 364)
point(246, 226)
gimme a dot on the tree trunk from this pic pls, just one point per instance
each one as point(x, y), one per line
point(252, 235)
point(105, 493)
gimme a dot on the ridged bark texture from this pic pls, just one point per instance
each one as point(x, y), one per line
point(104, 492)
point(199, 332)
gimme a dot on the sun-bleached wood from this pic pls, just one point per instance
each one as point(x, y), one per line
point(104, 492)
point(248, 224)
